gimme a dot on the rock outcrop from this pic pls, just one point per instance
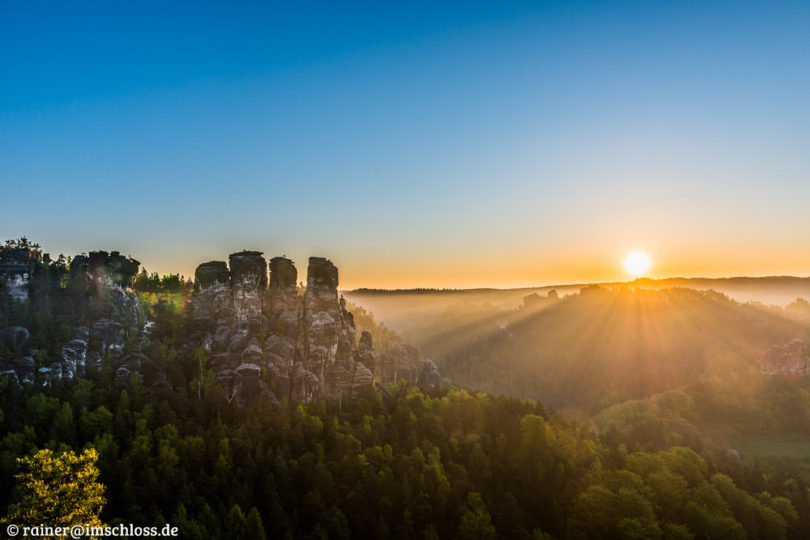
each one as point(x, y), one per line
point(14, 337)
point(268, 338)
point(227, 308)
point(16, 267)
point(74, 357)
point(99, 289)
point(272, 342)
point(106, 338)
point(248, 284)
point(99, 270)
point(327, 338)
point(400, 361)
point(20, 369)
point(283, 302)
point(212, 293)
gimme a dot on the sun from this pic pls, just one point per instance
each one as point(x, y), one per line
point(636, 263)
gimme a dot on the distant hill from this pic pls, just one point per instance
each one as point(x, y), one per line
point(403, 309)
point(772, 290)
point(601, 346)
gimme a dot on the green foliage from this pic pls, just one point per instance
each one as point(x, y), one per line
point(21, 243)
point(59, 490)
point(476, 523)
point(168, 284)
point(449, 463)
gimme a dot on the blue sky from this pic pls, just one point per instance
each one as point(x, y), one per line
point(461, 144)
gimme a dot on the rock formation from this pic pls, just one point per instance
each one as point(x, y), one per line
point(108, 276)
point(74, 356)
point(274, 343)
point(283, 301)
point(14, 337)
point(100, 271)
point(400, 361)
point(248, 284)
point(267, 338)
point(212, 293)
point(16, 359)
point(227, 308)
point(16, 267)
point(98, 278)
point(328, 338)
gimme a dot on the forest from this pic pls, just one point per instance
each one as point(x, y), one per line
point(603, 345)
point(453, 463)
point(661, 457)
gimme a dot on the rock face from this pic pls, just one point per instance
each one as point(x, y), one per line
point(396, 360)
point(322, 326)
point(14, 337)
point(100, 269)
point(74, 357)
point(274, 343)
point(211, 273)
point(107, 337)
point(365, 350)
point(16, 267)
point(109, 334)
point(402, 361)
point(212, 292)
point(248, 284)
point(100, 278)
point(789, 359)
point(283, 302)
point(327, 343)
point(227, 308)
point(107, 277)
point(20, 369)
point(268, 339)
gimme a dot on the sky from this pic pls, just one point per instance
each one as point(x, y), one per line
point(415, 144)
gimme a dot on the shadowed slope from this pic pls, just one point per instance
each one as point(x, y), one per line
point(605, 346)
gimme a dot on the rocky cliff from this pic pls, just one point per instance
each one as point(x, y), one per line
point(267, 337)
point(103, 313)
point(16, 268)
point(278, 342)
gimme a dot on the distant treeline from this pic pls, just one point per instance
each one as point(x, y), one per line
point(421, 290)
point(700, 282)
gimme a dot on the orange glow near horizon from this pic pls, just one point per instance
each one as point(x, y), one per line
point(514, 270)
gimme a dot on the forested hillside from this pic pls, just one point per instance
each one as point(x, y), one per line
point(602, 346)
point(449, 464)
point(406, 310)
